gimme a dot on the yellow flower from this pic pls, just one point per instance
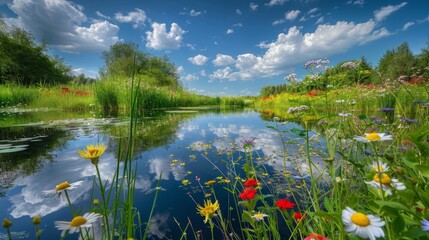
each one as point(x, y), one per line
point(211, 182)
point(36, 220)
point(209, 209)
point(92, 152)
point(95, 202)
point(7, 223)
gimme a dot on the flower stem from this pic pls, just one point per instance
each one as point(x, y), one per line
point(105, 203)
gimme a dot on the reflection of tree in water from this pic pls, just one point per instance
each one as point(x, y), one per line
point(40, 142)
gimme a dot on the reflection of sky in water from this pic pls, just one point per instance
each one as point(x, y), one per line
point(25, 199)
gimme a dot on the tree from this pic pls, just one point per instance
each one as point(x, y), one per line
point(23, 61)
point(124, 59)
point(395, 63)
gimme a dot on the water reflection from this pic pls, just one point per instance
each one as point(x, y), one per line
point(169, 146)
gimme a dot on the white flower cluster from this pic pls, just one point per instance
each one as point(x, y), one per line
point(298, 109)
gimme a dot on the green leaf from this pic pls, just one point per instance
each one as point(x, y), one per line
point(393, 205)
point(328, 204)
point(424, 170)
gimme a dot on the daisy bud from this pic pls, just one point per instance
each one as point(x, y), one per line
point(7, 223)
point(36, 220)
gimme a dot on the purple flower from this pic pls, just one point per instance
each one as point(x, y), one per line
point(248, 143)
point(407, 120)
point(425, 225)
point(418, 101)
point(386, 109)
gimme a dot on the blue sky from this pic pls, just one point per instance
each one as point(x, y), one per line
point(224, 47)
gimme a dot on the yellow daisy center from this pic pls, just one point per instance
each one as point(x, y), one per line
point(77, 221)
point(259, 216)
point(373, 137)
point(93, 152)
point(385, 179)
point(379, 169)
point(62, 186)
point(360, 219)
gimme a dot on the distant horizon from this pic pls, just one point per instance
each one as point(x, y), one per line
point(224, 48)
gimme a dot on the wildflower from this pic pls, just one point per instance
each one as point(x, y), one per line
point(372, 137)
point(36, 220)
point(7, 223)
point(364, 226)
point(385, 182)
point(315, 236)
point(285, 204)
point(185, 182)
point(425, 225)
point(251, 182)
point(259, 216)
point(209, 209)
point(386, 109)
point(248, 193)
point(408, 120)
point(210, 183)
point(78, 222)
point(95, 202)
point(380, 166)
point(92, 152)
point(63, 187)
point(344, 114)
point(298, 216)
point(248, 143)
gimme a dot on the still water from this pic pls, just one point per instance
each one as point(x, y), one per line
point(37, 154)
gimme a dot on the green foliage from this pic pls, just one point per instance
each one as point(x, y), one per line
point(397, 62)
point(22, 61)
point(125, 60)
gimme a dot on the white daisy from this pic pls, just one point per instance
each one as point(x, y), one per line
point(78, 222)
point(379, 166)
point(62, 187)
point(385, 182)
point(259, 216)
point(372, 137)
point(364, 226)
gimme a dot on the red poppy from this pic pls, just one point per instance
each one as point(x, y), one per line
point(284, 204)
point(251, 182)
point(298, 216)
point(248, 193)
point(315, 236)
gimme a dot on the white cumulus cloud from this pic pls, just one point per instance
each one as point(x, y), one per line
point(296, 47)
point(190, 77)
point(292, 15)
point(275, 2)
point(229, 31)
point(63, 25)
point(137, 18)
point(198, 60)
point(160, 39)
point(253, 6)
point(384, 12)
point(223, 60)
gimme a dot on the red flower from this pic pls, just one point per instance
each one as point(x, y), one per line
point(251, 182)
point(284, 204)
point(298, 216)
point(315, 236)
point(248, 193)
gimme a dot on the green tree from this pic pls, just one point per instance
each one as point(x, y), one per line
point(395, 63)
point(23, 61)
point(124, 59)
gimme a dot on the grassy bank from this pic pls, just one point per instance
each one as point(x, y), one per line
point(106, 94)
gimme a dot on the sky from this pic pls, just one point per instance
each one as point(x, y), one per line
point(224, 47)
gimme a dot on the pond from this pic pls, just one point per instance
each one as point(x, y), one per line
point(184, 149)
